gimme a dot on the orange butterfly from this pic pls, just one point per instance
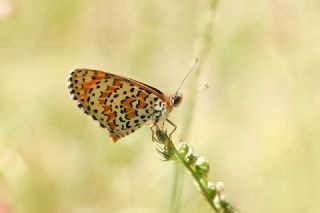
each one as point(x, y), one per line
point(121, 105)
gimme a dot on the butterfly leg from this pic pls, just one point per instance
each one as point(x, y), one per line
point(174, 127)
point(152, 128)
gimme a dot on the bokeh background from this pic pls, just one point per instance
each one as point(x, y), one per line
point(258, 124)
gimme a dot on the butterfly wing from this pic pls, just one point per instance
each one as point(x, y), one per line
point(119, 104)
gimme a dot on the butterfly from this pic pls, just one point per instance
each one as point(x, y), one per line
point(120, 104)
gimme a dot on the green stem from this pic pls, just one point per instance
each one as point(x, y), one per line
point(176, 190)
point(199, 170)
point(194, 175)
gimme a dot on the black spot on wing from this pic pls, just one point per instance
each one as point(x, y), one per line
point(128, 125)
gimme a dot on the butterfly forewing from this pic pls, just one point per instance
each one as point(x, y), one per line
point(120, 104)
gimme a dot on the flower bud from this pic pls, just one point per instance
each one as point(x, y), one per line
point(202, 167)
point(183, 149)
point(211, 189)
point(220, 187)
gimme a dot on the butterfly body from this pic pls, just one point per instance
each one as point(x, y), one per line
point(121, 105)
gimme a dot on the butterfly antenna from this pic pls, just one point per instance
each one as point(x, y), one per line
point(192, 68)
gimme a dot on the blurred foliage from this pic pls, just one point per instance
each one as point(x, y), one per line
point(258, 124)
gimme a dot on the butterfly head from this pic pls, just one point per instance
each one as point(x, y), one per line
point(176, 99)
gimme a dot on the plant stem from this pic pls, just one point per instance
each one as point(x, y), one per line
point(176, 189)
point(198, 168)
point(194, 175)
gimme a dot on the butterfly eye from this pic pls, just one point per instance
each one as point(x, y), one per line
point(176, 99)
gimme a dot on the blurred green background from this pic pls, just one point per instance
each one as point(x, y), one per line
point(258, 123)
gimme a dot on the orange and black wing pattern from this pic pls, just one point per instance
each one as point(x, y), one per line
point(119, 104)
